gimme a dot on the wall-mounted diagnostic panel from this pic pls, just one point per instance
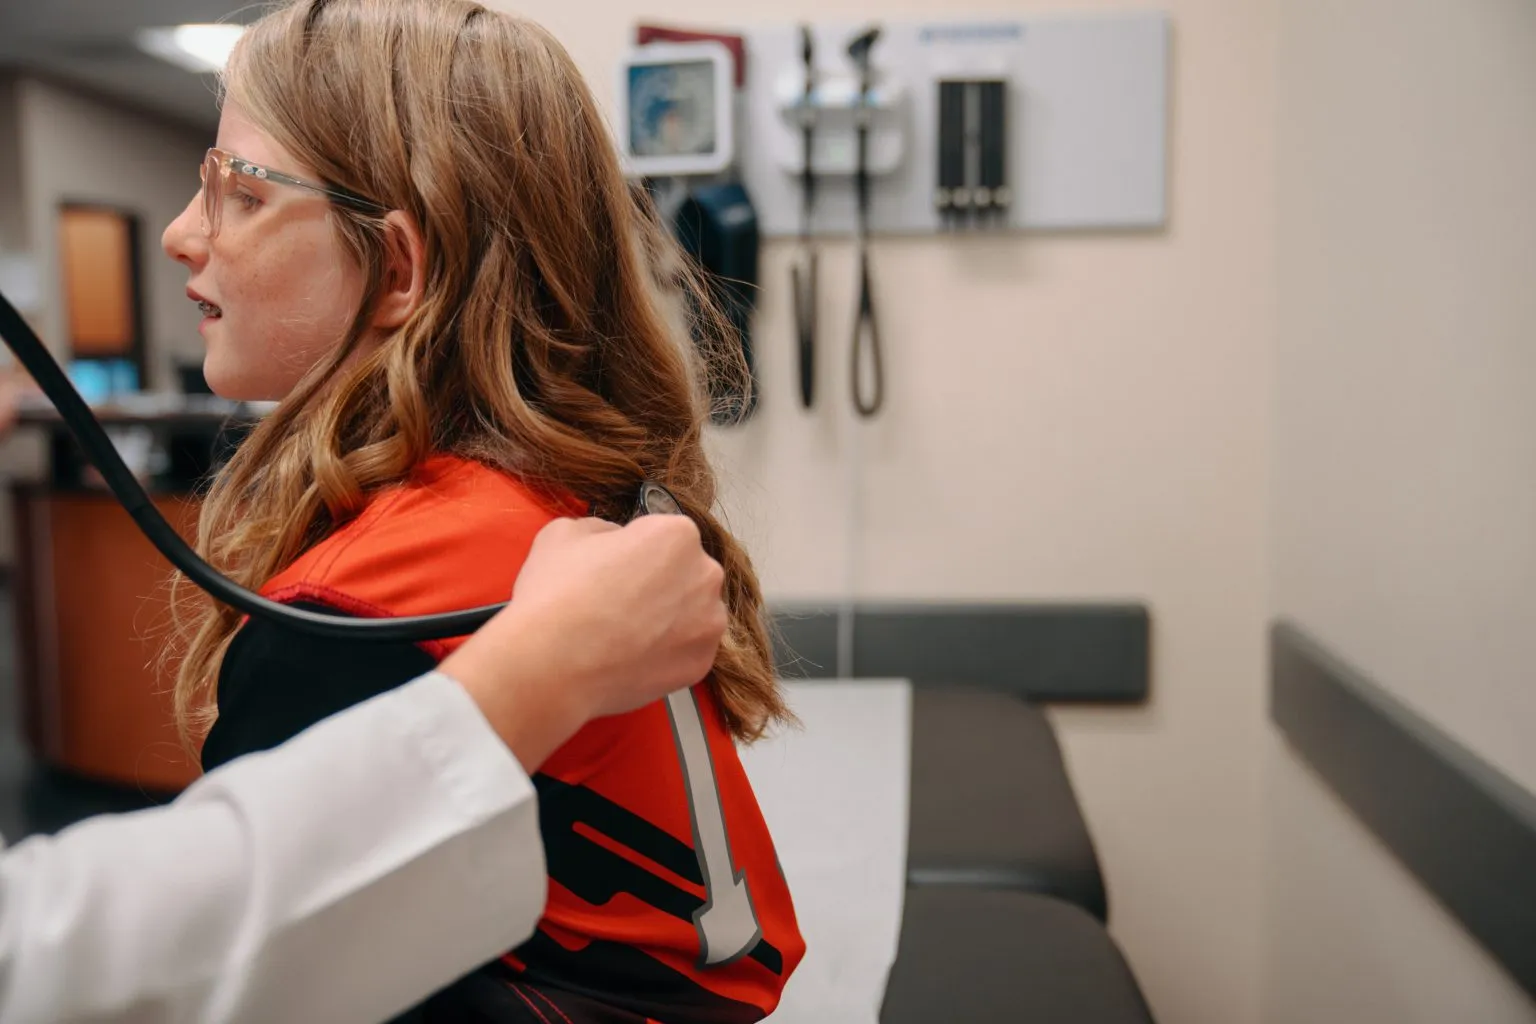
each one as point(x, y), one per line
point(1033, 122)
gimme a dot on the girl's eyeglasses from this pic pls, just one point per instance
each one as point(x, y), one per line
point(218, 177)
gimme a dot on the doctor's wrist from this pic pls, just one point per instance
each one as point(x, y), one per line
point(522, 688)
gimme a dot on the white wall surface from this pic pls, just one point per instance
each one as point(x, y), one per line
point(1405, 460)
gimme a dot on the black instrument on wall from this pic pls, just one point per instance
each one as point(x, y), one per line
point(803, 275)
point(717, 225)
point(973, 184)
point(866, 329)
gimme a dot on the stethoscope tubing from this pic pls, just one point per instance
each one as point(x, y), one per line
point(98, 448)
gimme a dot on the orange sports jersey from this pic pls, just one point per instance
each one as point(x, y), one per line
point(666, 900)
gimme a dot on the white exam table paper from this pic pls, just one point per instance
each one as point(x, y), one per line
point(835, 795)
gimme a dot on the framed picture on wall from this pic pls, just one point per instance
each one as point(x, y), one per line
point(103, 292)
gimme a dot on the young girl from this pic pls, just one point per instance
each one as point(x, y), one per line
point(415, 233)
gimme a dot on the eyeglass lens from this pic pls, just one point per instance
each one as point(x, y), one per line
point(212, 175)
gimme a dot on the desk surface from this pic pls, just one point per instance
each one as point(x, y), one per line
point(150, 410)
point(170, 441)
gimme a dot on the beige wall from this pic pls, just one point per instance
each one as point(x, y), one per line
point(13, 243)
point(1068, 417)
point(1405, 458)
point(72, 147)
point(76, 148)
point(1353, 938)
point(13, 233)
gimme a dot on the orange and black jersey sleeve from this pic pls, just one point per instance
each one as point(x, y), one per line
point(666, 902)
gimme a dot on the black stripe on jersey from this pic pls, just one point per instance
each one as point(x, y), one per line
point(493, 997)
point(597, 874)
point(633, 981)
point(276, 681)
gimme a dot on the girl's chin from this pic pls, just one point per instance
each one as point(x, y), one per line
point(229, 383)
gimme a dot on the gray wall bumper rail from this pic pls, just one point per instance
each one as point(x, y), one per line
point(1465, 830)
point(1044, 652)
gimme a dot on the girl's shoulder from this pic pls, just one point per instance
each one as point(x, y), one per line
point(454, 535)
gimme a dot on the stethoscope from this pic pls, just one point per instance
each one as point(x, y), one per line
point(803, 275)
point(866, 330)
point(652, 498)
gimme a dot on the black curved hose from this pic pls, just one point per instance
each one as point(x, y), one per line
point(866, 338)
point(33, 355)
point(803, 276)
point(866, 329)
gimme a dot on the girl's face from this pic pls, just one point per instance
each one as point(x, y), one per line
point(277, 287)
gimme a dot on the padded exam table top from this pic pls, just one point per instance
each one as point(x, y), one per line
point(936, 929)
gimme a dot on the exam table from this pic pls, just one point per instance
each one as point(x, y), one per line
point(1005, 901)
point(991, 802)
point(940, 863)
point(994, 956)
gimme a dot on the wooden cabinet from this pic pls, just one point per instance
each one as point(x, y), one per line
point(93, 610)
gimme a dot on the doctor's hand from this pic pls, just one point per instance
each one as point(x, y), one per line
point(603, 619)
point(642, 604)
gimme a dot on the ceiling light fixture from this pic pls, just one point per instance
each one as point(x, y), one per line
point(200, 48)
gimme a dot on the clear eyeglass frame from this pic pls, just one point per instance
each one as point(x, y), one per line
point(221, 167)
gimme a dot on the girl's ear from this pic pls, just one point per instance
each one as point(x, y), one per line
point(405, 271)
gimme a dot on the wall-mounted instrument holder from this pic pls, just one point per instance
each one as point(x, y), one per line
point(1062, 124)
point(832, 110)
point(973, 186)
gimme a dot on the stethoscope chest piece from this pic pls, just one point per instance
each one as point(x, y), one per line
point(656, 500)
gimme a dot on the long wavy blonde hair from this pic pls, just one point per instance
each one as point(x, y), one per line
point(548, 342)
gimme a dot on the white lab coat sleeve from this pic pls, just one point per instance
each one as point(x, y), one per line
point(341, 877)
